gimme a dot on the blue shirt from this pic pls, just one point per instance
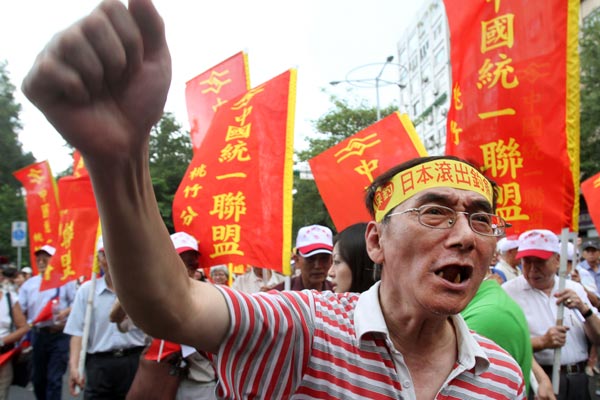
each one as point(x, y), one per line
point(32, 300)
point(104, 335)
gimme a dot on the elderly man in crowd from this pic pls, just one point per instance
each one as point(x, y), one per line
point(112, 357)
point(402, 338)
point(538, 294)
point(313, 256)
point(508, 264)
point(50, 345)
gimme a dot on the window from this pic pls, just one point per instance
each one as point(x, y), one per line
point(423, 51)
point(416, 108)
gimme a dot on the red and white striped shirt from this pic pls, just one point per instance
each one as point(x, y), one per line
point(309, 344)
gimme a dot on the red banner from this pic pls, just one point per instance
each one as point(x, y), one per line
point(208, 91)
point(76, 245)
point(236, 196)
point(343, 171)
point(78, 164)
point(515, 104)
point(591, 192)
point(42, 206)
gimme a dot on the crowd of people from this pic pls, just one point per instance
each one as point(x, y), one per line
point(409, 304)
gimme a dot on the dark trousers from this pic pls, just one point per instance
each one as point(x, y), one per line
point(573, 386)
point(50, 356)
point(109, 377)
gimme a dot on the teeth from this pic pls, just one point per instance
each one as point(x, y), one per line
point(457, 279)
point(440, 274)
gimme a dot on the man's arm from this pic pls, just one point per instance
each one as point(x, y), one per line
point(76, 381)
point(103, 83)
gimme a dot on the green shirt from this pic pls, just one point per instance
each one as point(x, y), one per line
point(494, 314)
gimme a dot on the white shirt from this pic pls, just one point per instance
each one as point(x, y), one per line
point(5, 320)
point(250, 283)
point(509, 271)
point(541, 310)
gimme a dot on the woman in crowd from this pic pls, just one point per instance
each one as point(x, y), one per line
point(352, 269)
point(13, 326)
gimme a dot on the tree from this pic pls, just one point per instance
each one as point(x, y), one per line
point(170, 155)
point(342, 121)
point(12, 204)
point(590, 95)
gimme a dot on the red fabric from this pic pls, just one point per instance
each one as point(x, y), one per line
point(78, 230)
point(78, 164)
point(236, 195)
point(208, 91)
point(154, 349)
point(7, 356)
point(511, 79)
point(344, 171)
point(591, 192)
point(42, 206)
point(45, 313)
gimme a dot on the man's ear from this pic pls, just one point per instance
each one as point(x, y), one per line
point(373, 239)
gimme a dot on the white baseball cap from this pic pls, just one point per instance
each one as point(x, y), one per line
point(507, 243)
point(314, 239)
point(184, 242)
point(46, 248)
point(540, 243)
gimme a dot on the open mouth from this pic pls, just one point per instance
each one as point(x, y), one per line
point(454, 274)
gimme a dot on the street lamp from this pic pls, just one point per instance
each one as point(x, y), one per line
point(377, 81)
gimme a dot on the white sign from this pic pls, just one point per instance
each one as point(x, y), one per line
point(19, 234)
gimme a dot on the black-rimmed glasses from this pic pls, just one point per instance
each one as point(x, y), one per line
point(440, 217)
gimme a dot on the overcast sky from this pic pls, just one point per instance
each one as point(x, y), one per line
point(323, 39)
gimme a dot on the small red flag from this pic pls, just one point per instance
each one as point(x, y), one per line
point(168, 348)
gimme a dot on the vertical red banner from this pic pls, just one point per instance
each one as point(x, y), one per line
point(343, 171)
point(515, 103)
point(76, 244)
point(236, 195)
point(591, 192)
point(42, 206)
point(208, 91)
point(78, 164)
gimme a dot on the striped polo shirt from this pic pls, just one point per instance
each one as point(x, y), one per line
point(309, 344)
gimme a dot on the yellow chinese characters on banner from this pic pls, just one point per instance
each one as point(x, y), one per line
point(42, 205)
point(77, 234)
point(211, 89)
point(235, 197)
point(514, 84)
point(343, 171)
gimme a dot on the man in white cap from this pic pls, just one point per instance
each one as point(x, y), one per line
point(433, 229)
point(314, 249)
point(507, 251)
point(536, 291)
point(112, 356)
point(50, 344)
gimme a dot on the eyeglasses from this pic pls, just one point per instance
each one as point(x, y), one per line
point(440, 217)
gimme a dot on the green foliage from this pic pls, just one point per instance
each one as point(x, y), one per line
point(590, 95)
point(12, 204)
point(170, 155)
point(342, 121)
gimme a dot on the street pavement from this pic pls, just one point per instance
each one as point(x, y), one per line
point(19, 393)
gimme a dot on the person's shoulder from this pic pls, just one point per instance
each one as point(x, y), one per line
point(30, 283)
point(514, 284)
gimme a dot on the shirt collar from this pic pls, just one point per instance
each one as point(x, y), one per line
point(101, 285)
point(368, 317)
